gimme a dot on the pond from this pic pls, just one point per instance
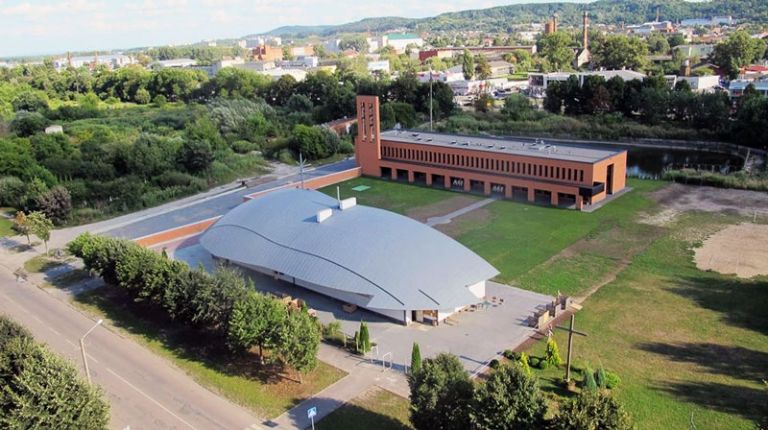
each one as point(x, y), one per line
point(645, 162)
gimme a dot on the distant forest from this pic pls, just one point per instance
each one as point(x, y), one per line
point(502, 18)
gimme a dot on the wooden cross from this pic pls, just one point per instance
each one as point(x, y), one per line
point(571, 332)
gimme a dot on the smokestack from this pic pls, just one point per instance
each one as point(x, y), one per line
point(554, 23)
point(685, 70)
point(585, 36)
point(658, 15)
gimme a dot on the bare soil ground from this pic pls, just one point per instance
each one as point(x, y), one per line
point(678, 198)
point(443, 207)
point(738, 249)
point(456, 227)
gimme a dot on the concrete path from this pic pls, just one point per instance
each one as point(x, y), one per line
point(447, 218)
point(362, 376)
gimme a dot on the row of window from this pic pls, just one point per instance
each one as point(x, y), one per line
point(365, 131)
point(488, 164)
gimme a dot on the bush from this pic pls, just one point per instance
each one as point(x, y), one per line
point(28, 123)
point(510, 399)
point(346, 147)
point(534, 361)
point(243, 146)
point(11, 191)
point(591, 411)
point(543, 364)
point(511, 355)
point(552, 353)
point(612, 380)
point(588, 383)
point(494, 364)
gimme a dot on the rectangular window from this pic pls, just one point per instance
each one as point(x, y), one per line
point(581, 176)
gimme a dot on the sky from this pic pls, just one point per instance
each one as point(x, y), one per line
point(38, 27)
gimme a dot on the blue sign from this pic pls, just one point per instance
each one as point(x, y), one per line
point(312, 412)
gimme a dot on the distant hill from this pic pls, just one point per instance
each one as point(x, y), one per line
point(501, 18)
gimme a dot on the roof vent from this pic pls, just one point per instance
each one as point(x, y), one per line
point(348, 203)
point(324, 214)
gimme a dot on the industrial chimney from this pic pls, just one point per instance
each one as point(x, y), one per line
point(585, 36)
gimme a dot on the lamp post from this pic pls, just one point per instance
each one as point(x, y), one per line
point(82, 350)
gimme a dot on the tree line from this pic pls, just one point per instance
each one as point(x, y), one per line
point(41, 389)
point(444, 397)
point(653, 102)
point(223, 302)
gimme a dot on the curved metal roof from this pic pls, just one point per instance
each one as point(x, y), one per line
point(375, 258)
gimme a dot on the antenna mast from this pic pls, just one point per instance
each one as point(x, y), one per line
point(301, 169)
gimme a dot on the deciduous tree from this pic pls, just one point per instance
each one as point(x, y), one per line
point(441, 395)
point(511, 400)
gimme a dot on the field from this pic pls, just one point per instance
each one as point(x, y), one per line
point(689, 345)
point(686, 343)
point(377, 409)
point(268, 390)
point(6, 227)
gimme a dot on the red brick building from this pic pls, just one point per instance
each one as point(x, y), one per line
point(566, 176)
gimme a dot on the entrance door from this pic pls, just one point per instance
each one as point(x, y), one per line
point(609, 180)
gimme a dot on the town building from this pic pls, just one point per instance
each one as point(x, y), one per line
point(645, 29)
point(696, 50)
point(381, 66)
point(175, 63)
point(540, 81)
point(701, 84)
point(111, 61)
point(736, 88)
point(267, 53)
point(488, 51)
point(362, 256)
point(560, 175)
point(400, 41)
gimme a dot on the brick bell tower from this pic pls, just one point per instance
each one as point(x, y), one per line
point(368, 141)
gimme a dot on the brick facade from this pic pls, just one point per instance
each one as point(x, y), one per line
point(537, 178)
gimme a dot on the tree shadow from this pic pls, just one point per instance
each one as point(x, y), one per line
point(348, 416)
point(201, 346)
point(730, 399)
point(741, 303)
point(732, 361)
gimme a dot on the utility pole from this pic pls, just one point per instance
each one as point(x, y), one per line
point(82, 350)
point(571, 331)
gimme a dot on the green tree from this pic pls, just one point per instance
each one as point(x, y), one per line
point(43, 390)
point(676, 39)
point(56, 204)
point(657, 43)
point(552, 353)
point(365, 338)
point(620, 51)
point(592, 411)
point(142, 96)
point(467, 65)
point(21, 225)
point(256, 320)
point(510, 399)
point(40, 226)
point(517, 107)
point(196, 155)
point(309, 141)
point(300, 341)
point(415, 359)
point(482, 67)
point(739, 50)
point(30, 101)
point(441, 395)
point(28, 123)
point(556, 49)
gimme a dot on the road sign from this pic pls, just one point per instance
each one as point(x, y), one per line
point(312, 412)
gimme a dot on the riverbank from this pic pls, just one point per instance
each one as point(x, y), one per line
point(738, 180)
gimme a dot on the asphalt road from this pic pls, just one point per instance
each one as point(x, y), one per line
point(144, 391)
point(213, 206)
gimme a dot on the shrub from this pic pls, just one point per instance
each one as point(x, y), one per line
point(534, 361)
point(494, 364)
point(612, 380)
point(522, 361)
point(591, 411)
point(243, 146)
point(552, 353)
point(589, 383)
point(511, 355)
point(543, 364)
point(510, 399)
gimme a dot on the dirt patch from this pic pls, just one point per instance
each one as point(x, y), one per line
point(456, 227)
point(681, 198)
point(440, 208)
point(738, 249)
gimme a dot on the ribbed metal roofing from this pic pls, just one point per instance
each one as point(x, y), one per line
point(386, 260)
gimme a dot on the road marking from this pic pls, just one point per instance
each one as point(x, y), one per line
point(150, 399)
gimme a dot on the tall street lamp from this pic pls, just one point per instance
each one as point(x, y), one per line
point(82, 350)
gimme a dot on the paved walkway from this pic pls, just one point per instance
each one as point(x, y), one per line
point(447, 218)
point(363, 374)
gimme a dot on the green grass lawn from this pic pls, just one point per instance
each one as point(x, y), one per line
point(376, 409)
point(6, 227)
point(394, 196)
point(41, 263)
point(268, 390)
point(684, 341)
